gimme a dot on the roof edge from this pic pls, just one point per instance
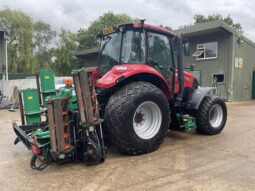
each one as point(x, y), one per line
point(87, 51)
point(3, 30)
point(212, 25)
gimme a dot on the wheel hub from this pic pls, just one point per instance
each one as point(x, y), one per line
point(138, 117)
point(216, 116)
point(147, 120)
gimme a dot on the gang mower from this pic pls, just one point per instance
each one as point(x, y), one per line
point(136, 94)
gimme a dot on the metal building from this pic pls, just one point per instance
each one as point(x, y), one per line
point(88, 57)
point(223, 58)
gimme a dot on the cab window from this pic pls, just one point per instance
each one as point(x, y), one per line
point(159, 49)
point(133, 47)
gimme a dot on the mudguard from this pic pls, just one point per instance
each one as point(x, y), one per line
point(124, 71)
point(197, 96)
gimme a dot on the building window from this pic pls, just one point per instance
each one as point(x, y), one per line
point(206, 51)
point(218, 78)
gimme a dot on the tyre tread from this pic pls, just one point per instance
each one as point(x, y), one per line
point(118, 105)
point(202, 118)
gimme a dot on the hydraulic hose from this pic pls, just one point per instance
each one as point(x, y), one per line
point(39, 167)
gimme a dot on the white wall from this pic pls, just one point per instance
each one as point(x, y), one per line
point(7, 86)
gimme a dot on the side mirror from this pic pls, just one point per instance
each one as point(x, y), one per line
point(186, 48)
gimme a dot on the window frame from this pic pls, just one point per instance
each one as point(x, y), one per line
point(172, 64)
point(121, 51)
point(224, 78)
point(204, 48)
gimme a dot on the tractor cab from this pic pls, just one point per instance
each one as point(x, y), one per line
point(136, 43)
point(144, 52)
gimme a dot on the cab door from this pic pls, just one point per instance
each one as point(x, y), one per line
point(160, 54)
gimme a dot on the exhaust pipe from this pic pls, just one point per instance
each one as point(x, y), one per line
point(180, 71)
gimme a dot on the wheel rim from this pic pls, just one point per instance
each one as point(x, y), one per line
point(147, 120)
point(216, 116)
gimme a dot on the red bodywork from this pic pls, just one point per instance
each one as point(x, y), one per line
point(188, 81)
point(125, 71)
point(152, 27)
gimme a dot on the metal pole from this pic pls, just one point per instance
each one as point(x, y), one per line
point(21, 108)
point(6, 59)
point(3, 84)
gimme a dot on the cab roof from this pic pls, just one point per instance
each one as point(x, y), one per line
point(150, 27)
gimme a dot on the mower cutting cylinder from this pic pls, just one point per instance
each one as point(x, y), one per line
point(59, 125)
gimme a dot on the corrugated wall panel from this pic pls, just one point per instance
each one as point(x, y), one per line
point(220, 65)
point(242, 82)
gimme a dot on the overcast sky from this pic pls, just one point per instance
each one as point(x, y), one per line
point(76, 14)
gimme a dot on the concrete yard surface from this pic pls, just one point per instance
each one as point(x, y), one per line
point(185, 161)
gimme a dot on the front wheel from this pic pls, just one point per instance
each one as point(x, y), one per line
point(211, 116)
point(137, 117)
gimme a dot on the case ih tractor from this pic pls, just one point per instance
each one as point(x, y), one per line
point(138, 92)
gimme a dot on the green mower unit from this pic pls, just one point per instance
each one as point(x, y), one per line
point(30, 107)
point(188, 122)
point(70, 92)
point(45, 80)
point(72, 130)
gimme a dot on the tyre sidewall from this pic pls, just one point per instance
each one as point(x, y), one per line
point(148, 96)
point(127, 139)
point(203, 124)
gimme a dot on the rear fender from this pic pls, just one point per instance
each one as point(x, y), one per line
point(197, 96)
point(125, 73)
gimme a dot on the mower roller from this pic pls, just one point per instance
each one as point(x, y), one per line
point(138, 92)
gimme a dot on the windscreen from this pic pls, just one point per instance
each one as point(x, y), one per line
point(109, 51)
point(121, 47)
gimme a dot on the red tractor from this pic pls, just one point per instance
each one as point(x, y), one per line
point(143, 90)
point(139, 91)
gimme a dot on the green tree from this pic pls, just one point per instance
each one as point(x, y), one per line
point(29, 42)
point(199, 18)
point(87, 37)
point(42, 40)
point(20, 28)
point(63, 59)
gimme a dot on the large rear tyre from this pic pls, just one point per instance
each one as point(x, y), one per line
point(211, 116)
point(137, 118)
